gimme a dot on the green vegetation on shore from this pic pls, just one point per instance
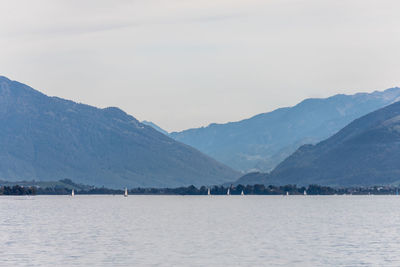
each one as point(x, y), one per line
point(192, 190)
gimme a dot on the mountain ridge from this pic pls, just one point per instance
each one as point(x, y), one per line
point(155, 126)
point(262, 141)
point(365, 152)
point(50, 138)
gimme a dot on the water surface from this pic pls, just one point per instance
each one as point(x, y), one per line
point(200, 231)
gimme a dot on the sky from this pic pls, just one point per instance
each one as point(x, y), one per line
point(184, 64)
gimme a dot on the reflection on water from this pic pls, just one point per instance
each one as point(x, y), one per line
point(200, 230)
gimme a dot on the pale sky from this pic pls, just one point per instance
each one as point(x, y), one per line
point(184, 63)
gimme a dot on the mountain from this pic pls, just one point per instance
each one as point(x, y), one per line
point(49, 138)
point(263, 141)
point(365, 152)
point(155, 127)
point(253, 178)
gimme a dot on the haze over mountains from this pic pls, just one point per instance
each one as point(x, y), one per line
point(365, 152)
point(263, 141)
point(49, 138)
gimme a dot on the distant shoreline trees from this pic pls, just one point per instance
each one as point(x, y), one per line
point(17, 190)
point(257, 189)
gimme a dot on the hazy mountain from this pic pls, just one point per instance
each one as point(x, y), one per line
point(253, 178)
point(263, 141)
point(365, 152)
point(155, 126)
point(49, 138)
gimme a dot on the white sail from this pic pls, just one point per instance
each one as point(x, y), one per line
point(209, 192)
point(287, 193)
point(126, 192)
point(72, 193)
point(242, 193)
point(305, 192)
point(229, 192)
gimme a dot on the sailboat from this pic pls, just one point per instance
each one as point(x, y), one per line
point(242, 193)
point(229, 192)
point(287, 193)
point(209, 192)
point(126, 192)
point(305, 192)
point(72, 193)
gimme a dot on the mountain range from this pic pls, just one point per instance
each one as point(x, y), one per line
point(155, 127)
point(261, 142)
point(49, 138)
point(365, 152)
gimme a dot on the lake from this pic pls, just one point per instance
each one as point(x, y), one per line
point(200, 231)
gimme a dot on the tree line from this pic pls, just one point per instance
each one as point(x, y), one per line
point(257, 189)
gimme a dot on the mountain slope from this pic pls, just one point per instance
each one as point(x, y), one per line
point(365, 152)
point(253, 178)
point(154, 126)
point(263, 141)
point(49, 138)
